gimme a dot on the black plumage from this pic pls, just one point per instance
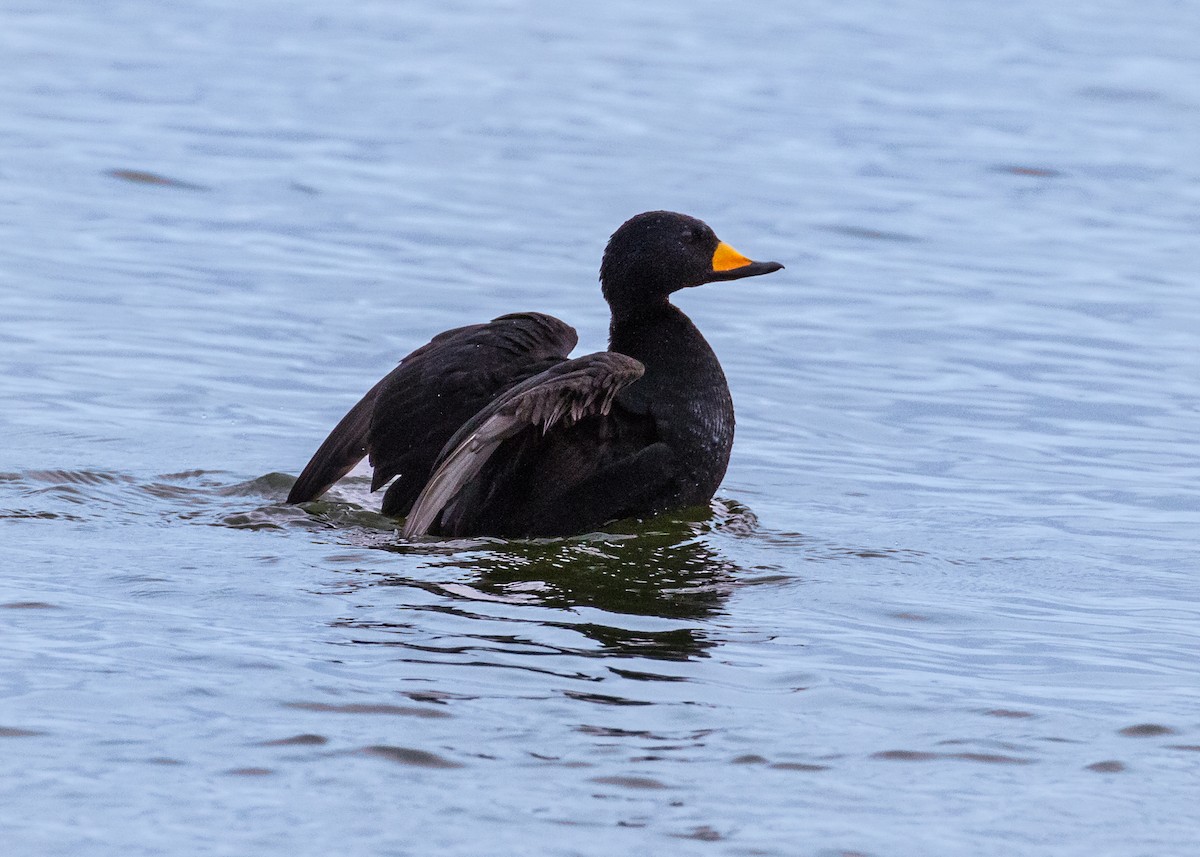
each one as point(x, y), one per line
point(491, 429)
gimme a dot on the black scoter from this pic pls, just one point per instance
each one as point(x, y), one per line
point(491, 429)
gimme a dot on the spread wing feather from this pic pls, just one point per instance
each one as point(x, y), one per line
point(405, 420)
point(339, 453)
point(559, 396)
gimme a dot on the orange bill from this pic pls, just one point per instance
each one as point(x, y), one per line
point(725, 258)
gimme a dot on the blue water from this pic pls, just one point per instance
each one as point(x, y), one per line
point(947, 601)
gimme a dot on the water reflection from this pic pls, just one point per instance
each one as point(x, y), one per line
point(665, 574)
point(650, 577)
point(665, 569)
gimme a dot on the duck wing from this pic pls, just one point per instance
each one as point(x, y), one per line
point(405, 420)
point(531, 444)
point(339, 453)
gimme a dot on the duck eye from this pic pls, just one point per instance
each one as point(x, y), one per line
point(691, 236)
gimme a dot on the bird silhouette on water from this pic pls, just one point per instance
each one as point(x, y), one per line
point(491, 429)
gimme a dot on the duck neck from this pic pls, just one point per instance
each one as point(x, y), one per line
point(660, 336)
point(683, 390)
point(679, 363)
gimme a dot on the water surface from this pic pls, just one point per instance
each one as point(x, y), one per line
point(946, 600)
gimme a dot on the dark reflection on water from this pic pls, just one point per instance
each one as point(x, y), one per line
point(671, 575)
point(663, 568)
point(664, 575)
